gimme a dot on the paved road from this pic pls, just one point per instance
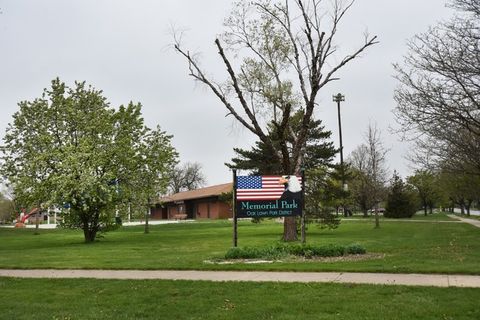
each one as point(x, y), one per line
point(434, 280)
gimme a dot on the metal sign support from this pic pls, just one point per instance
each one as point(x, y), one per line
point(234, 209)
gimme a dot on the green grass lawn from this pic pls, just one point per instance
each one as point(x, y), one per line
point(408, 247)
point(155, 299)
point(438, 216)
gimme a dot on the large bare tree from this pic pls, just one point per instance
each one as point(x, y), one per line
point(278, 56)
point(438, 99)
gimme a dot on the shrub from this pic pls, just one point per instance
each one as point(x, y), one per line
point(297, 249)
point(329, 251)
point(355, 248)
point(281, 250)
point(244, 253)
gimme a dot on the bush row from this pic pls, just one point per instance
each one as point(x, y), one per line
point(301, 250)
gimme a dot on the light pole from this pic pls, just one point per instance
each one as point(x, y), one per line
point(338, 98)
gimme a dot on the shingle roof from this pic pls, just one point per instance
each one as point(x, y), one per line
point(199, 193)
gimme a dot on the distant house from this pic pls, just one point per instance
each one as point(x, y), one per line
point(202, 203)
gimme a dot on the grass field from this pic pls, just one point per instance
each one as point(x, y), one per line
point(424, 247)
point(439, 216)
point(152, 299)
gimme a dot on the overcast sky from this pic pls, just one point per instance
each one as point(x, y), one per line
point(122, 47)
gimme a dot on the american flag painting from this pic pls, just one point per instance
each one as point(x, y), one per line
point(260, 187)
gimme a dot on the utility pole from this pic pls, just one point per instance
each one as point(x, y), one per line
point(338, 98)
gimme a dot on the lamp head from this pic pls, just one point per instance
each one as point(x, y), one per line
point(338, 97)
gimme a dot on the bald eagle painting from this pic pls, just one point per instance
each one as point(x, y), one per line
point(293, 188)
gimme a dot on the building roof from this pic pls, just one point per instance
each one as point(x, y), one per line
point(199, 193)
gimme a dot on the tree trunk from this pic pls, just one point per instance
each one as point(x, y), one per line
point(37, 222)
point(425, 210)
point(290, 223)
point(89, 234)
point(304, 235)
point(90, 227)
point(365, 213)
point(290, 229)
point(377, 218)
point(147, 230)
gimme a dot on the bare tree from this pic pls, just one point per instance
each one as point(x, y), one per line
point(467, 5)
point(369, 165)
point(378, 171)
point(438, 101)
point(361, 184)
point(189, 176)
point(285, 53)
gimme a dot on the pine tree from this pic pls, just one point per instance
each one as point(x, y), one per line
point(262, 161)
point(401, 202)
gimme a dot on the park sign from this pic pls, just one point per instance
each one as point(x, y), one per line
point(268, 196)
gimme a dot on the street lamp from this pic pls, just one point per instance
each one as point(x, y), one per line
point(339, 98)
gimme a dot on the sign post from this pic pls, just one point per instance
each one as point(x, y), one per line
point(304, 240)
point(234, 209)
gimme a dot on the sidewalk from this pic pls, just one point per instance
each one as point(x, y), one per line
point(473, 222)
point(434, 280)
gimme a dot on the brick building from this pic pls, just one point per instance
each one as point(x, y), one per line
point(202, 203)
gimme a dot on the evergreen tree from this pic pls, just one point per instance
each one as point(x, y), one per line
point(260, 160)
point(323, 194)
point(401, 201)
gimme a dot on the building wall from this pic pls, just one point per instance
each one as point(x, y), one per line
point(220, 210)
point(173, 210)
point(210, 208)
point(213, 209)
point(157, 212)
point(202, 209)
point(224, 211)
